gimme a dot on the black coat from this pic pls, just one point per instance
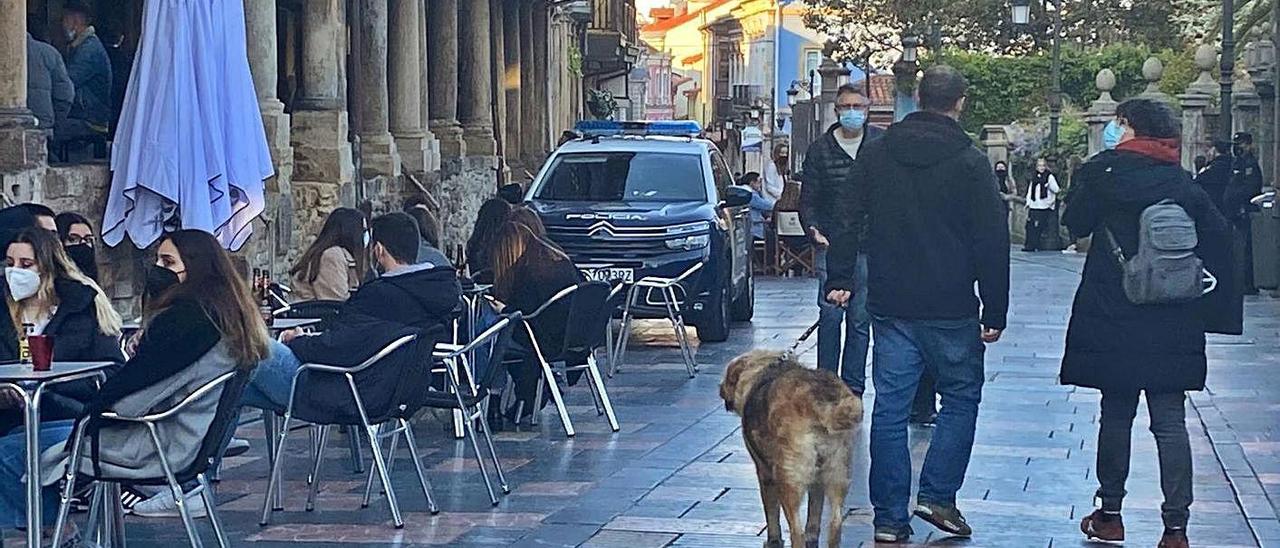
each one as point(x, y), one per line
point(937, 226)
point(1215, 179)
point(827, 195)
point(422, 302)
point(536, 285)
point(1246, 182)
point(1113, 344)
point(76, 337)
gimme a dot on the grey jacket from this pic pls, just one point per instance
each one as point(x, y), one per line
point(126, 450)
point(90, 69)
point(49, 89)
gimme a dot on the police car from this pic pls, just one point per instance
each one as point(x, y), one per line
point(633, 199)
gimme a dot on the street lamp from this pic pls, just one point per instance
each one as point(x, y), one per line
point(1228, 67)
point(909, 49)
point(793, 95)
point(1021, 15)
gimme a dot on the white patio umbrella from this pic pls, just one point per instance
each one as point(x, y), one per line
point(190, 150)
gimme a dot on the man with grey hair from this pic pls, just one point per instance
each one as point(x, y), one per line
point(936, 227)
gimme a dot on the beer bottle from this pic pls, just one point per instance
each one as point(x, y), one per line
point(24, 342)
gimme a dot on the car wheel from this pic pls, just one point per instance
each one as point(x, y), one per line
point(714, 325)
point(744, 307)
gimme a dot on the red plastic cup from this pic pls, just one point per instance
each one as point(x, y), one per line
point(41, 351)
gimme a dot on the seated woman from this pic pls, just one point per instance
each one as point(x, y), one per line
point(78, 240)
point(199, 323)
point(761, 204)
point(492, 215)
point(528, 271)
point(429, 236)
point(336, 261)
point(47, 293)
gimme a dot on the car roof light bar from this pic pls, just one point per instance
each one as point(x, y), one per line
point(610, 128)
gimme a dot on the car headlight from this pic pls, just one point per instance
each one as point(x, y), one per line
point(690, 242)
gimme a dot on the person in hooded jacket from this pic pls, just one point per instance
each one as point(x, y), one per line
point(1125, 349)
point(406, 296)
point(825, 200)
point(936, 227)
point(48, 292)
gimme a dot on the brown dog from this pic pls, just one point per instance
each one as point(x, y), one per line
point(797, 424)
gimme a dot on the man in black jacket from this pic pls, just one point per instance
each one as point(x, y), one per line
point(1246, 182)
point(936, 226)
point(1216, 177)
point(826, 204)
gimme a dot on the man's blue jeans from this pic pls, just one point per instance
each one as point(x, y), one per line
point(851, 364)
point(903, 347)
point(13, 466)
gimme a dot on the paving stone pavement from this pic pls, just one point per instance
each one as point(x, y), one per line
point(678, 475)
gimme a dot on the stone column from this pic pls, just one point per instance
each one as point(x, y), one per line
point(432, 160)
point(528, 101)
point(475, 77)
point(1246, 105)
point(511, 83)
point(541, 120)
point(1102, 110)
point(1262, 65)
point(260, 36)
point(497, 73)
point(1153, 72)
point(322, 163)
point(995, 138)
point(442, 44)
point(832, 74)
point(378, 154)
point(21, 144)
point(1196, 135)
point(404, 66)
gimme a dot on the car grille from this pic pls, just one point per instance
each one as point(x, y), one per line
point(619, 246)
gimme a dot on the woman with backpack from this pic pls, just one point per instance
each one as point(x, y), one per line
point(1155, 348)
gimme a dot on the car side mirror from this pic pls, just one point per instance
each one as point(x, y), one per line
point(736, 196)
point(512, 193)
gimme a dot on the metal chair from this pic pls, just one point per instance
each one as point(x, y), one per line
point(374, 432)
point(106, 517)
point(671, 293)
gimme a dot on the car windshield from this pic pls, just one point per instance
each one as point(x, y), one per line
point(625, 176)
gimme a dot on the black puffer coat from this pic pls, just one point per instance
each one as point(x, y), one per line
point(827, 192)
point(1113, 344)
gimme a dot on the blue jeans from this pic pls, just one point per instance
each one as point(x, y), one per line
point(954, 350)
point(851, 364)
point(13, 466)
point(272, 379)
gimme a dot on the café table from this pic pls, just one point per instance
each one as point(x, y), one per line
point(277, 325)
point(30, 385)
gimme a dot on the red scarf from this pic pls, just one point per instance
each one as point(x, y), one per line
point(1165, 150)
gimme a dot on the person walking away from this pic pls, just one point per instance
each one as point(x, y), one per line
point(777, 172)
point(90, 71)
point(1125, 349)
point(1246, 183)
point(49, 89)
point(333, 265)
point(936, 228)
point(826, 199)
point(1042, 200)
point(1216, 177)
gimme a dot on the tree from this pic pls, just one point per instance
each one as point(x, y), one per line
point(876, 26)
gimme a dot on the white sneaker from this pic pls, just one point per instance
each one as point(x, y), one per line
point(162, 505)
point(237, 447)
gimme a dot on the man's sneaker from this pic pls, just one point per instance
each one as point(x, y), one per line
point(1174, 538)
point(1104, 526)
point(926, 419)
point(946, 518)
point(893, 535)
point(162, 505)
point(237, 447)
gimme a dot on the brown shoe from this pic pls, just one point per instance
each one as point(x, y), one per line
point(1103, 526)
point(1174, 538)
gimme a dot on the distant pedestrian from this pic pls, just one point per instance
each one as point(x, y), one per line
point(761, 206)
point(90, 70)
point(49, 89)
point(937, 229)
point(1042, 207)
point(777, 171)
point(1216, 176)
point(1126, 349)
point(826, 199)
point(1246, 183)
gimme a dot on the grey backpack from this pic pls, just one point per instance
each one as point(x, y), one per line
point(1165, 269)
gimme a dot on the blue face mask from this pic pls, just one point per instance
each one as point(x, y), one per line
point(1111, 135)
point(853, 118)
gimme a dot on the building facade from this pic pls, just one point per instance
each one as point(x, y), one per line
point(364, 103)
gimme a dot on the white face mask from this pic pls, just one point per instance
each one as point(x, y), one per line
point(23, 283)
point(366, 239)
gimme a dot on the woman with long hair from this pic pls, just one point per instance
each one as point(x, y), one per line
point(527, 217)
point(429, 236)
point(78, 239)
point(777, 172)
point(335, 262)
point(527, 272)
point(199, 322)
point(490, 218)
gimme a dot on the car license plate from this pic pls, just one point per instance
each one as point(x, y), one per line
point(627, 275)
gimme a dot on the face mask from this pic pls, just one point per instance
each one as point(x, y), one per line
point(71, 35)
point(366, 238)
point(853, 119)
point(23, 283)
point(1111, 135)
point(1002, 173)
point(82, 255)
point(160, 279)
point(1237, 150)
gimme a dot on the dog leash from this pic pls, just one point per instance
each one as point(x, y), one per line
point(791, 352)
